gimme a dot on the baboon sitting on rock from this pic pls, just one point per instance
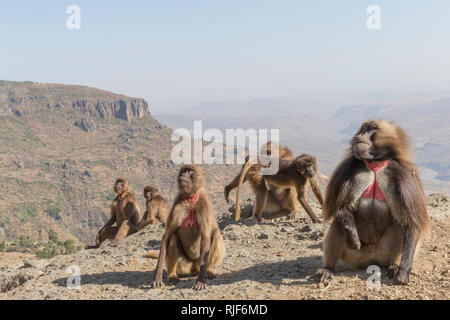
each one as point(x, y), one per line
point(125, 214)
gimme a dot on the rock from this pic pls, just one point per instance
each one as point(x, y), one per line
point(38, 264)
point(316, 235)
point(306, 228)
point(17, 279)
point(263, 236)
point(85, 124)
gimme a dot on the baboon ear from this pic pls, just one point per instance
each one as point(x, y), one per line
point(155, 190)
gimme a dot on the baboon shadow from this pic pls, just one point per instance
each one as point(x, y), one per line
point(245, 219)
point(302, 269)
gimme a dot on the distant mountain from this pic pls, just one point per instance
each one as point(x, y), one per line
point(305, 129)
point(63, 146)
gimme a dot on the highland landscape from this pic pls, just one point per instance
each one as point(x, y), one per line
point(64, 145)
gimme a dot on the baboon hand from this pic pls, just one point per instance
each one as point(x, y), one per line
point(353, 241)
point(199, 285)
point(226, 192)
point(210, 275)
point(325, 275)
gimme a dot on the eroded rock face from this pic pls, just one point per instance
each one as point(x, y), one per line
point(21, 98)
point(85, 124)
point(121, 109)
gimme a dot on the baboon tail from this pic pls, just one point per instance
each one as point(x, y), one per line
point(153, 254)
point(323, 177)
point(247, 166)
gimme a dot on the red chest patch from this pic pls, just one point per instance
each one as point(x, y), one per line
point(190, 221)
point(374, 191)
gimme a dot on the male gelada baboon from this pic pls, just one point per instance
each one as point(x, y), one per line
point(157, 208)
point(192, 240)
point(376, 199)
point(278, 199)
point(291, 174)
point(125, 214)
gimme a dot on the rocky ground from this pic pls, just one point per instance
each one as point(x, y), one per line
point(275, 260)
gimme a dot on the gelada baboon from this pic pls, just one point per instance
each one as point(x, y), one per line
point(192, 240)
point(291, 174)
point(376, 199)
point(157, 208)
point(125, 214)
point(278, 199)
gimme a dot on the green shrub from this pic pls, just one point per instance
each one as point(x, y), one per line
point(25, 242)
point(69, 246)
point(52, 236)
point(26, 211)
point(54, 211)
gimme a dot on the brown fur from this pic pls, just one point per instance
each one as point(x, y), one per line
point(188, 249)
point(125, 214)
point(405, 222)
point(292, 174)
point(157, 208)
point(278, 199)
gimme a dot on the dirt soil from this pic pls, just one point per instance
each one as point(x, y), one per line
point(275, 260)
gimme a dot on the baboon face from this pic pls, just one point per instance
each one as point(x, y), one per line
point(120, 186)
point(306, 165)
point(380, 140)
point(363, 141)
point(150, 192)
point(190, 179)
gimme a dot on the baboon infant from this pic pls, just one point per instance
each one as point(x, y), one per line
point(192, 240)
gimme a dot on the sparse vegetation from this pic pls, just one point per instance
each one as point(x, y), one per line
point(2, 246)
point(54, 211)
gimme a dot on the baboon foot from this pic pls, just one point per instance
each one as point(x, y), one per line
point(114, 243)
point(157, 284)
point(324, 274)
point(199, 285)
point(392, 270)
point(173, 279)
point(401, 278)
point(210, 275)
point(291, 216)
point(263, 220)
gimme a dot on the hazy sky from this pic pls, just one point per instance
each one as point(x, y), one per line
point(183, 52)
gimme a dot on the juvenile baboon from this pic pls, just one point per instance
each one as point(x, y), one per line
point(192, 240)
point(157, 208)
point(125, 214)
point(291, 174)
point(278, 199)
point(376, 200)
